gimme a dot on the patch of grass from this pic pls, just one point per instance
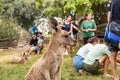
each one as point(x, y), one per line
point(18, 71)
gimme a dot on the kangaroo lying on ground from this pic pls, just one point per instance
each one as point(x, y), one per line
point(18, 59)
point(48, 67)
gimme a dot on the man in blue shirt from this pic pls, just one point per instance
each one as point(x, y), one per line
point(35, 29)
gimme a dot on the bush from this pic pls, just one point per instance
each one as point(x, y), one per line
point(9, 30)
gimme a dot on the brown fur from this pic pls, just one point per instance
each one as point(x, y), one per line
point(18, 59)
point(48, 67)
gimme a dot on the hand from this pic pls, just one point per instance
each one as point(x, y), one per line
point(87, 30)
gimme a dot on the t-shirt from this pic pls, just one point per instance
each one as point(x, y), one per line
point(84, 50)
point(115, 11)
point(33, 42)
point(34, 28)
point(40, 41)
point(66, 27)
point(96, 53)
point(88, 25)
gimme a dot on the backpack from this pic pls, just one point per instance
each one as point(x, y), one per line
point(112, 33)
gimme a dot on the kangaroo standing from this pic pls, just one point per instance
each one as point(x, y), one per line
point(49, 66)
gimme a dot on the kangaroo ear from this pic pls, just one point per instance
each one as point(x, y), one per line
point(53, 23)
point(23, 54)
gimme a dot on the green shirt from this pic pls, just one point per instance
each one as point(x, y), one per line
point(88, 25)
point(96, 53)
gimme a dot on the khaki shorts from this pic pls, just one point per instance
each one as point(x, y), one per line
point(91, 68)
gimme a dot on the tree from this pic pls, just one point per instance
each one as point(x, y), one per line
point(23, 11)
point(62, 7)
point(0, 7)
point(9, 29)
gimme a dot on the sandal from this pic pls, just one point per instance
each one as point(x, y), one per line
point(108, 75)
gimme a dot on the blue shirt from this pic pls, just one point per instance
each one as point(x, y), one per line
point(67, 27)
point(34, 28)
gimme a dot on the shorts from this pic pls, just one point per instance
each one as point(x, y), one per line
point(91, 68)
point(78, 62)
point(36, 48)
point(113, 49)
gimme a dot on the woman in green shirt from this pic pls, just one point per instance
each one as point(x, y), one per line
point(88, 27)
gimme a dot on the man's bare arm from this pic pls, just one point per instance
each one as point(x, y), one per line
point(108, 17)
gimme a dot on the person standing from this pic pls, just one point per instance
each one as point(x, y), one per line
point(114, 15)
point(74, 30)
point(68, 26)
point(88, 27)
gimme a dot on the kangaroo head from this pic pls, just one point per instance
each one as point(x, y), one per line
point(61, 36)
point(24, 57)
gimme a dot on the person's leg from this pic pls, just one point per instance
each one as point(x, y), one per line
point(72, 48)
point(78, 62)
point(34, 48)
point(102, 59)
point(112, 60)
point(68, 49)
point(38, 51)
point(118, 57)
point(31, 50)
point(104, 62)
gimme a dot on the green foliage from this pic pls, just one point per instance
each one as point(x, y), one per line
point(9, 30)
point(1, 6)
point(38, 3)
point(98, 1)
point(100, 12)
point(62, 7)
point(23, 11)
point(53, 8)
point(79, 6)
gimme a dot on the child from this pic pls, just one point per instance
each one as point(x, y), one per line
point(40, 44)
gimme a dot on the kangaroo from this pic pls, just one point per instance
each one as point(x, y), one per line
point(48, 67)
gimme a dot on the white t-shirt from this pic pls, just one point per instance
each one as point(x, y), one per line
point(84, 50)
